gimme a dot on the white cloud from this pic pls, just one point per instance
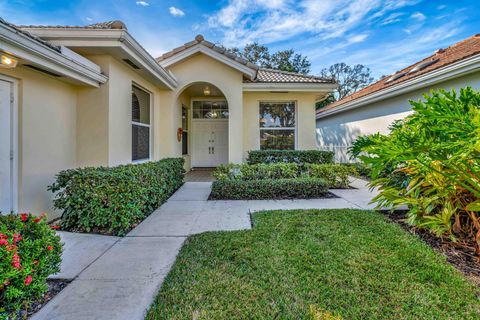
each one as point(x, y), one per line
point(418, 16)
point(391, 18)
point(143, 3)
point(441, 7)
point(176, 12)
point(357, 38)
point(268, 21)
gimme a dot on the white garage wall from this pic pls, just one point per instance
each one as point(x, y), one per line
point(338, 131)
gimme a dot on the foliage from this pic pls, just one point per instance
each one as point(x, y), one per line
point(360, 169)
point(335, 175)
point(325, 102)
point(284, 60)
point(30, 251)
point(301, 188)
point(350, 78)
point(289, 156)
point(113, 200)
point(300, 264)
point(431, 162)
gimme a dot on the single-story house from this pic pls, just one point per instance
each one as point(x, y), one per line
point(93, 96)
point(375, 107)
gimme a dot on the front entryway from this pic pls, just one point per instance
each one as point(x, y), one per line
point(210, 143)
point(6, 147)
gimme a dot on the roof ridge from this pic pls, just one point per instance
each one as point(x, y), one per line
point(111, 24)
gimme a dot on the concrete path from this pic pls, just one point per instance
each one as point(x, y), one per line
point(119, 278)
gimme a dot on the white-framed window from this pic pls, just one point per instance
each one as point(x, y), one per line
point(141, 125)
point(277, 125)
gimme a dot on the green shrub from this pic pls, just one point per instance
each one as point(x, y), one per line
point(113, 200)
point(30, 251)
point(289, 156)
point(430, 162)
point(361, 169)
point(335, 175)
point(302, 188)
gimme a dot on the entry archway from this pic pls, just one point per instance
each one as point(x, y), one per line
point(205, 117)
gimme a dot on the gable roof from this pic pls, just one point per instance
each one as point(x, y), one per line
point(256, 74)
point(442, 58)
point(31, 36)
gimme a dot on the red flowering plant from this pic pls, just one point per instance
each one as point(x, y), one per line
point(30, 251)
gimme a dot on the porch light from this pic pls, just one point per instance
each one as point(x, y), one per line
point(7, 62)
point(206, 90)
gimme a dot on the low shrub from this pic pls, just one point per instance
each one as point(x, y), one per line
point(30, 251)
point(301, 188)
point(362, 170)
point(113, 200)
point(334, 175)
point(289, 156)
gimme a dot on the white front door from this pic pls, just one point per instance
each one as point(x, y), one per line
point(210, 143)
point(6, 147)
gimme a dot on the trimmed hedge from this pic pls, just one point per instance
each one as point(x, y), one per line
point(302, 188)
point(334, 175)
point(113, 200)
point(289, 156)
point(30, 251)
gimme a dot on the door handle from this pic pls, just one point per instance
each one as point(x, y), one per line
point(209, 150)
point(213, 150)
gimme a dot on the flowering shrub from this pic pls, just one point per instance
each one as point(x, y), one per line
point(30, 251)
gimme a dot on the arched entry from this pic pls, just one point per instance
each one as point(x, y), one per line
point(206, 124)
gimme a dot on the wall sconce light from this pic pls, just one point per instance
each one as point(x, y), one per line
point(7, 62)
point(206, 90)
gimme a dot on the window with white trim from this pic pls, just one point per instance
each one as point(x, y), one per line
point(141, 130)
point(277, 125)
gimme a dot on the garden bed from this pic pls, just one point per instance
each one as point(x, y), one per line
point(314, 264)
point(461, 255)
point(54, 288)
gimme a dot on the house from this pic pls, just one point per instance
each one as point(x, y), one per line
point(375, 107)
point(93, 96)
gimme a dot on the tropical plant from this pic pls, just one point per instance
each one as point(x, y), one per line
point(430, 162)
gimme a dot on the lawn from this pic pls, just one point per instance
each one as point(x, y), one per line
point(314, 264)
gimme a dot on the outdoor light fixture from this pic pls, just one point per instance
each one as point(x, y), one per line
point(206, 90)
point(7, 62)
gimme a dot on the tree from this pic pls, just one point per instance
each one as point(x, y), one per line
point(284, 60)
point(350, 78)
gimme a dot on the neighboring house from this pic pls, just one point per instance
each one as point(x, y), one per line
point(93, 96)
point(375, 107)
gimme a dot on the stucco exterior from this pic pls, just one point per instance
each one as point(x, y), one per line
point(338, 131)
point(69, 120)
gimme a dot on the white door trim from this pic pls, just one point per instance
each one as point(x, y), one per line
point(192, 130)
point(14, 138)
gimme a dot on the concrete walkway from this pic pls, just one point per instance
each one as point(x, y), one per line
point(118, 278)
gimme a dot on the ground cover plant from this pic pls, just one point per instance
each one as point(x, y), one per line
point(30, 251)
point(430, 162)
point(113, 200)
point(314, 264)
point(289, 156)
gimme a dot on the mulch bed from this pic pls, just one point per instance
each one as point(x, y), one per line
point(54, 288)
point(461, 255)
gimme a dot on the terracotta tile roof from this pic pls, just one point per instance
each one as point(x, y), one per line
point(199, 39)
point(441, 58)
point(108, 25)
point(277, 76)
point(28, 34)
point(263, 75)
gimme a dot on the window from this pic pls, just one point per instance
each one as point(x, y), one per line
point(277, 125)
point(210, 110)
point(140, 124)
point(185, 130)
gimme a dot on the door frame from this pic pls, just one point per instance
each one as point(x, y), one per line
point(193, 132)
point(14, 137)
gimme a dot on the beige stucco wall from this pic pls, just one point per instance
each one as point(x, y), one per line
point(337, 132)
point(305, 118)
point(46, 135)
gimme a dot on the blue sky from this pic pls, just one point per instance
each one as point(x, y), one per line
point(385, 35)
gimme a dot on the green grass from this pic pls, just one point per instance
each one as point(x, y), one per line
point(314, 264)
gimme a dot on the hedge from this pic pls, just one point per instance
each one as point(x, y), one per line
point(30, 251)
point(302, 188)
point(113, 200)
point(334, 175)
point(289, 156)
